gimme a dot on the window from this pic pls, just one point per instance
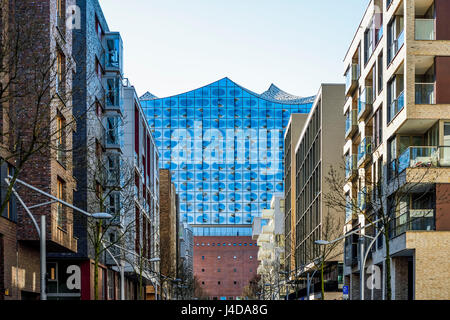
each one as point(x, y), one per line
point(98, 69)
point(60, 65)
point(59, 207)
point(203, 257)
point(218, 282)
point(380, 72)
point(60, 147)
point(98, 109)
point(98, 28)
point(203, 270)
point(378, 127)
point(218, 270)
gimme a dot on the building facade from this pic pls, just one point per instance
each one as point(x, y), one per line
point(223, 266)
point(38, 76)
point(397, 141)
point(224, 146)
point(138, 202)
point(271, 250)
point(291, 136)
point(318, 151)
point(168, 225)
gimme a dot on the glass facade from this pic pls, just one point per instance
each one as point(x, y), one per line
point(224, 145)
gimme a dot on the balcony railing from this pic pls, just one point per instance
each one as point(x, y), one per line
point(425, 29)
point(351, 77)
point(418, 157)
point(362, 199)
point(364, 150)
point(414, 220)
point(425, 93)
point(351, 122)
point(397, 105)
point(350, 166)
point(396, 45)
point(365, 102)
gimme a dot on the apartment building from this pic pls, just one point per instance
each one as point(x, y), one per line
point(397, 150)
point(36, 138)
point(291, 136)
point(271, 249)
point(317, 151)
point(138, 202)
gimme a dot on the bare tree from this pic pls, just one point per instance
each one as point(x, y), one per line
point(36, 91)
point(331, 229)
point(117, 198)
point(253, 289)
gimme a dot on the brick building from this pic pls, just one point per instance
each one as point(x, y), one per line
point(44, 69)
point(168, 228)
point(224, 266)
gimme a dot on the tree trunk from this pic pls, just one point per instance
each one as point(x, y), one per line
point(322, 281)
point(96, 260)
point(388, 264)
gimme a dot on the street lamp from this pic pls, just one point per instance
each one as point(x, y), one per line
point(42, 230)
point(362, 253)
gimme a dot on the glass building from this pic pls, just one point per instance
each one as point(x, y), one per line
point(224, 145)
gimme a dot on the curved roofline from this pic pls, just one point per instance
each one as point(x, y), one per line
point(294, 101)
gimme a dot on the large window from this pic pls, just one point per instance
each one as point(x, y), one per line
point(60, 213)
point(60, 141)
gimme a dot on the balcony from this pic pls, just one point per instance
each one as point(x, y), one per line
point(418, 157)
point(414, 220)
point(425, 29)
point(397, 105)
point(351, 78)
point(362, 196)
point(113, 94)
point(365, 103)
point(351, 123)
point(350, 166)
point(114, 53)
point(425, 93)
point(364, 151)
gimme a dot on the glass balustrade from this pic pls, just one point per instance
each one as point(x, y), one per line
point(425, 29)
point(425, 93)
point(364, 149)
point(418, 157)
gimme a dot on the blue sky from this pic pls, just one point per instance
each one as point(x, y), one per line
point(173, 46)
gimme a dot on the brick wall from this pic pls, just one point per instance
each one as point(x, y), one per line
point(167, 224)
point(237, 264)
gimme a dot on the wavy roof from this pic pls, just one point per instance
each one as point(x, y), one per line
point(273, 94)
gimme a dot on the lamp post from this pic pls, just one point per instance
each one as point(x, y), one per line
point(363, 257)
point(42, 229)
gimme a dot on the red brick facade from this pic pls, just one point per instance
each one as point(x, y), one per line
point(224, 265)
